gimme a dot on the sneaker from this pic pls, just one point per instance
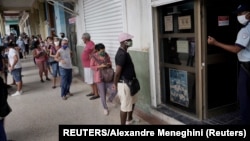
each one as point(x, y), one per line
point(69, 94)
point(64, 98)
point(16, 93)
point(129, 122)
point(106, 112)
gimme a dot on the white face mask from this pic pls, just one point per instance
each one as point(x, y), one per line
point(56, 43)
point(129, 43)
point(242, 19)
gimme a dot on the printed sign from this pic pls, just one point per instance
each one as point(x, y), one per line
point(223, 20)
point(72, 20)
point(178, 87)
point(182, 46)
point(168, 20)
point(184, 22)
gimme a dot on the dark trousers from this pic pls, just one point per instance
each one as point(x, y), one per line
point(2, 131)
point(244, 96)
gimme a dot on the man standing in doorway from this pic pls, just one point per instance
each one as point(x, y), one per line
point(242, 48)
point(124, 71)
point(87, 53)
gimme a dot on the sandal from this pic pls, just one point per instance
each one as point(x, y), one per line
point(91, 94)
point(94, 97)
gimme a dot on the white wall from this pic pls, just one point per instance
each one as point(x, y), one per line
point(138, 23)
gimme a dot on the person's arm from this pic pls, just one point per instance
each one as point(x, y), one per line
point(35, 55)
point(118, 71)
point(50, 53)
point(227, 47)
point(71, 54)
point(58, 57)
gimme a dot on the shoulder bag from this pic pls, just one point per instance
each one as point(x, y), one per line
point(134, 86)
point(107, 74)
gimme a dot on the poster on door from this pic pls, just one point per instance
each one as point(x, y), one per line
point(223, 20)
point(178, 87)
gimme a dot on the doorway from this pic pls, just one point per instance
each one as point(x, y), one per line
point(221, 66)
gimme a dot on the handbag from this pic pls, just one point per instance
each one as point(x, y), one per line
point(107, 74)
point(133, 85)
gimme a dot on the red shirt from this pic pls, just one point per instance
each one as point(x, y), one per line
point(87, 52)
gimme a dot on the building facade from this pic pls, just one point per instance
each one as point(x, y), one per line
point(183, 80)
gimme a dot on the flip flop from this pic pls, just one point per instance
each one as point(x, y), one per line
point(91, 94)
point(94, 97)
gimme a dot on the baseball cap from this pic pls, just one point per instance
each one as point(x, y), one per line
point(242, 8)
point(65, 39)
point(124, 36)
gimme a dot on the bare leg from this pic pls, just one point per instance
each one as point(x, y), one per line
point(123, 117)
point(54, 82)
point(130, 114)
point(19, 86)
point(95, 89)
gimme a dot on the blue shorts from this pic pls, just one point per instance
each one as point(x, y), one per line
point(16, 73)
point(55, 69)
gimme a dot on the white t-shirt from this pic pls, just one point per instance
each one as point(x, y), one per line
point(11, 55)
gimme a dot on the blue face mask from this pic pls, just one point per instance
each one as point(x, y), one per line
point(65, 46)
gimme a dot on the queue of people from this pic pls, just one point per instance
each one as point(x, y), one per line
point(55, 53)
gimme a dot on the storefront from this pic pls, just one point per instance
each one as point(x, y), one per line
point(196, 80)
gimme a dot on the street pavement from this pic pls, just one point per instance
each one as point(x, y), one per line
point(38, 112)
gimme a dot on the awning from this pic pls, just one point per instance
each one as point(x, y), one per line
point(66, 9)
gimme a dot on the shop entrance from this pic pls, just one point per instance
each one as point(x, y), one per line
point(221, 66)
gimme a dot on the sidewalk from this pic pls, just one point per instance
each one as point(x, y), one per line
point(40, 109)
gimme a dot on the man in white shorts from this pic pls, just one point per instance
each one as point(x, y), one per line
point(88, 72)
point(125, 71)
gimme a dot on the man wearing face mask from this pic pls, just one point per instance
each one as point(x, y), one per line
point(242, 48)
point(124, 71)
point(63, 56)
